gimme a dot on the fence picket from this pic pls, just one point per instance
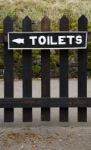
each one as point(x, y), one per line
point(8, 71)
point(45, 71)
point(27, 72)
point(82, 71)
point(63, 115)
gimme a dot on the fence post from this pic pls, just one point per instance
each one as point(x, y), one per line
point(82, 71)
point(8, 71)
point(27, 72)
point(45, 71)
point(63, 58)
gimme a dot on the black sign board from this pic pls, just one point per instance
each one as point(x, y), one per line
point(47, 40)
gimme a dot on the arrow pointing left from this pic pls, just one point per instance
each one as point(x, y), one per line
point(18, 41)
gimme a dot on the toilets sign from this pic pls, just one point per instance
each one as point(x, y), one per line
point(47, 40)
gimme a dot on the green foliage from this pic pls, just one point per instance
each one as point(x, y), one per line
point(36, 9)
point(73, 72)
point(36, 54)
point(36, 69)
point(54, 60)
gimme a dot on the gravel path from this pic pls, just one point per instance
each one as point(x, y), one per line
point(51, 135)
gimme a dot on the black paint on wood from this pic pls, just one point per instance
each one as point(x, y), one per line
point(63, 102)
point(27, 72)
point(8, 71)
point(63, 58)
point(82, 71)
point(45, 71)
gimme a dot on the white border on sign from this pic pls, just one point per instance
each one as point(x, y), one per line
point(49, 48)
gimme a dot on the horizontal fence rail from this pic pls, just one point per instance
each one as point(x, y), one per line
point(27, 102)
point(44, 102)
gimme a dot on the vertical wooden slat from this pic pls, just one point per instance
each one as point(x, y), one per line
point(27, 72)
point(63, 115)
point(82, 71)
point(8, 71)
point(45, 71)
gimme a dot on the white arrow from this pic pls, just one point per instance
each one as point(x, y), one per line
point(18, 41)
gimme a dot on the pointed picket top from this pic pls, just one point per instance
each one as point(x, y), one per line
point(82, 23)
point(7, 18)
point(83, 18)
point(64, 23)
point(27, 19)
point(27, 24)
point(45, 23)
point(45, 18)
point(8, 24)
point(64, 17)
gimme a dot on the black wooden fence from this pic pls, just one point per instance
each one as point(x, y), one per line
point(45, 102)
